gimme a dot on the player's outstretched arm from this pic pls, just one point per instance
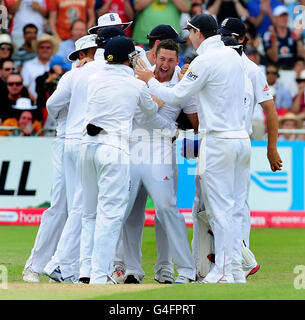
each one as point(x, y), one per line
point(272, 130)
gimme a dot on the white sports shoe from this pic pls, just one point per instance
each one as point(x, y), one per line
point(213, 277)
point(182, 280)
point(118, 274)
point(55, 275)
point(250, 269)
point(164, 277)
point(30, 276)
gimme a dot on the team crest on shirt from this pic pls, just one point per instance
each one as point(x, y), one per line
point(191, 75)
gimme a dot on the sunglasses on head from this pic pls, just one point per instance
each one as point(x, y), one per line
point(19, 83)
point(6, 46)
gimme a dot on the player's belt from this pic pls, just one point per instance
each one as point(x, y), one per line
point(93, 130)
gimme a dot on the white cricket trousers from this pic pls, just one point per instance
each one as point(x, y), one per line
point(105, 178)
point(130, 243)
point(159, 181)
point(53, 219)
point(67, 252)
point(223, 166)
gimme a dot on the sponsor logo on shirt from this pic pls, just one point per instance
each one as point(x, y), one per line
point(191, 75)
point(266, 88)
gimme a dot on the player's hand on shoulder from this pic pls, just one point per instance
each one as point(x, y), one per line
point(183, 70)
point(158, 101)
point(274, 160)
point(83, 62)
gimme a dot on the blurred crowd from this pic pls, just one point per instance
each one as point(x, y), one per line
point(38, 35)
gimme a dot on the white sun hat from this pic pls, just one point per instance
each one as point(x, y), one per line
point(109, 19)
point(83, 43)
point(24, 104)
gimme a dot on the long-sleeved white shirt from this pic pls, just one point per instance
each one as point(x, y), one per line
point(167, 112)
point(216, 77)
point(113, 98)
point(72, 90)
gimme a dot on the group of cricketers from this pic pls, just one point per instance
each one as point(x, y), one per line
point(116, 114)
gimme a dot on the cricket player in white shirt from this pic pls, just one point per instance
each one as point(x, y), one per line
point(160, 182)
point(235, 28)
point(105, 151)
point(54, 218)
point(214, 76)
point(71, 90)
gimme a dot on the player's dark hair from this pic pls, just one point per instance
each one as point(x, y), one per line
point(168, 44)
point(29, 25)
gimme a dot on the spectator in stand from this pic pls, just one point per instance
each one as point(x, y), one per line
point(46, 84)
point(260, 12)
point(290, 82)
point(124, 8)
point(228, 8)
point(290, 121)
point(151, 13)
point(281, 45)
point(24, 119)
point(255, 42)
point(283, 100)
point(64, 12)
point(298, 106)
point(78, 30)
point(26, 52)
point(15, 91)
point(296, 14)
point(6, 68)
point(6, 46)
point(25, 12)
point(46, 46)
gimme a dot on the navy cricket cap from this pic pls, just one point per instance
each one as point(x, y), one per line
point(205, 23)
point(164, 32)
point(232, 26)
point(118, 48)
point(107, 33)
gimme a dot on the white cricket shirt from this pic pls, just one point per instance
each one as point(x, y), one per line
point(113, 98)
point(216, 77)
point(72, 90)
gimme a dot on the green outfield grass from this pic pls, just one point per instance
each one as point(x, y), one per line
point(277, 250)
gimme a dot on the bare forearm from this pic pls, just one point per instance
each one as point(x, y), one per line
point(91, 18)
point(296, 104)
point(13, 7)
point(272, 53)
point(271, 122)
point(104, 9)
point(181, 5)
point(128, 10)
point(257, 21)
point(214, 8)
point(142, 4)
point(241, 11)
point(52, 23)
